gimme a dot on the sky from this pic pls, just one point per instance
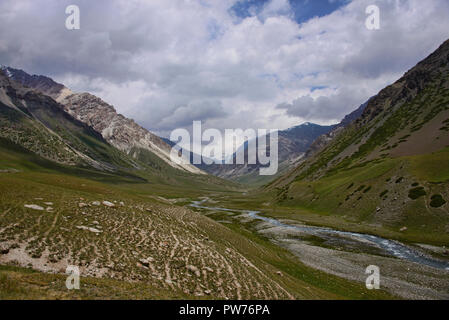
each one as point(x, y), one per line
point(268, 64)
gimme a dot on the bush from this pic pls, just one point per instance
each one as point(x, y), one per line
point(437, 201)
point(417, 192)
point(383, 193)
point(367, 189)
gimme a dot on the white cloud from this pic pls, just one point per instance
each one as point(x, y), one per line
point(166, 63)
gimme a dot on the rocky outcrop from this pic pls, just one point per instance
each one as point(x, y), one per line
point(122, 133)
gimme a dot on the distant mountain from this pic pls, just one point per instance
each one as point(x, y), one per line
point(324, 139)
point(389, 165)
point(119, 131)
point(292, 145)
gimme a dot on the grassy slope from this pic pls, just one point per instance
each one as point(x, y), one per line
point(367, 177)
point(51, 237)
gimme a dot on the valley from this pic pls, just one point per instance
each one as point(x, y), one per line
point(83, 185)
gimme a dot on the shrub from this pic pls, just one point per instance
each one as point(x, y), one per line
point(367, 189)
point(383, 193)
point(437, 201)
point(417, 192)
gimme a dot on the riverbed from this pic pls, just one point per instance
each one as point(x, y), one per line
point(408, 272)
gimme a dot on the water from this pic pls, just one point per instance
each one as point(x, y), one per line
point(390, 247)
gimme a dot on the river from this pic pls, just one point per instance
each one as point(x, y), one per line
point(388, 247)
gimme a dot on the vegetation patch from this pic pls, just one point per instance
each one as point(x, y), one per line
point(437, 201)
point(383, 193)
point(416, 193)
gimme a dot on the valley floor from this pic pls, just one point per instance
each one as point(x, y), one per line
point(129, 241)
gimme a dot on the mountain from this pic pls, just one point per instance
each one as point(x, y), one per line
point(119, 131)
point(389, 166)
point(38, 123)
point(292, 144)
point(322, 140)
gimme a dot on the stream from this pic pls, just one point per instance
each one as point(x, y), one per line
point(388, 247)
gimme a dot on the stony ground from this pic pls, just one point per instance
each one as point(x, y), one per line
point(169, 246)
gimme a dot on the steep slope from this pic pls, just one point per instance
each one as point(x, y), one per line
point(119, 131)
point(38, 123)
point(389, 166)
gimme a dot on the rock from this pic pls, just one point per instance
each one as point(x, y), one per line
point(144, 262)
point(377, 209)
point(34, 207)
point(49, 209)
point(150, 259)
point(96, 203)
point(4, 248)
point(279, 273)
point(48, 203)
point(94, 230)
point(194, 269)
point(403, 229)
point(122, 203)
point(108, 204)
point(208, 269)
point(207, 292)
point(82, 204)
point(95, 222)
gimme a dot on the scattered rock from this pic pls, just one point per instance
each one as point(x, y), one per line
point(403, 229)
point(108, 204)
point(207, 292)
point(122, 203)
point(194, 269)
point(208, 269)
point(34, 207)
point(96, 203)
point(49, 209)
point(94, 230)
point(48, 203)
point(82, 204)
point(144, 262)
point(4, 248)
point(377, 209)
point(279, 273)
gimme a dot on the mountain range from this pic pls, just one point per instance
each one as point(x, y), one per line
point(118, 131)
point(83, 185)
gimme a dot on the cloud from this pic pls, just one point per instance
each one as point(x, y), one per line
point(166, 63)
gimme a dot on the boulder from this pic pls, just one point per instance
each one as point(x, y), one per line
point(108, 204)
point(4, 248)
point(34, 207)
